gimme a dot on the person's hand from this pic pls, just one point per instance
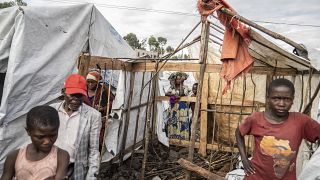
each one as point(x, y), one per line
point(248, 167)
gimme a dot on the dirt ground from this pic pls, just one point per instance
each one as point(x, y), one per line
point(162, 165)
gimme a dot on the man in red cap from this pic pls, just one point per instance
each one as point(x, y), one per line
point(79, 129)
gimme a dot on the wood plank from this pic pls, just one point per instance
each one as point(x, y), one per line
point(109, 63)
point(291, 59)
point(183, 98)
point(184, 143)
point(205, 31)
point(204, 115)
point(199, 170)
point(179, 66)
point(83, 64)
point(210, 68)
point(225, 101)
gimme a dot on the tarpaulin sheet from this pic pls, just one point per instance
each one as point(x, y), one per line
point(39, 47)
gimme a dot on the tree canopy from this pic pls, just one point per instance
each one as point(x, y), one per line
point(155, 44)
point(12, 3)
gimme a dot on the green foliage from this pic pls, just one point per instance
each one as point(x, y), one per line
point(153, 43)
point(12, 3)
point(132, 40)
point(169, 49)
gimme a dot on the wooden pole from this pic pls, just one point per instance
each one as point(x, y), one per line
point(137, 119)
point(265, 30)
point(126, 125)
point(203, 57)
point(204, 116)
point(83, 64)
point(147, 132)
point(199, 170)
point(103, 149)
point(308, 107)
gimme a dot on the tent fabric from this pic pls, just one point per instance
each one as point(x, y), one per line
point(7, 17)
point(37, 53)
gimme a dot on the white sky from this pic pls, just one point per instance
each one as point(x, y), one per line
point(175, 27)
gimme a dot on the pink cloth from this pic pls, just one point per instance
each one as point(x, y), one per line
point(36, 170)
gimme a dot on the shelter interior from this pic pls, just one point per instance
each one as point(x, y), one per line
point(219, 115)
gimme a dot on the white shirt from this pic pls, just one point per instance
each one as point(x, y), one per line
point(68, 131)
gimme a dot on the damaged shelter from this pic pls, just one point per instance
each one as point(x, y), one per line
point(228, 90)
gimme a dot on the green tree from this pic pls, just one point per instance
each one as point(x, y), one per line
point(153, 43)
point(12, 3)
point(169, 49)
point(132, 40)
point(162, 42)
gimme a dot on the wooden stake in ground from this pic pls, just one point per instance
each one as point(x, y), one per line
point(147, 132)
point(126, 125)
point(203, 58)
point(199, 170)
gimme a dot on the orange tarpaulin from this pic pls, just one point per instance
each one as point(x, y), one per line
point(235, 56)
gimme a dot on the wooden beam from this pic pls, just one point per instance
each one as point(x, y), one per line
point(179, 66)
point(83, 64)
point(199, 170)
point(220, 147)
point(211, 100)
point(265, 30)
point(295, 61)
point(205, 31)
point(210, 68)
point(109, 63)
point(204, 116)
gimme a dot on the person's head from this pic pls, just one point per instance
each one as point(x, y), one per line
point(280, 95)
point(42, 127)
point(179, 80)
point(75, 89)
point(194, 88)
point(93, 78)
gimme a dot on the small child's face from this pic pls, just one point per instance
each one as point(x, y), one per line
point(280, 100)
point(43, 138)
point(194, 88)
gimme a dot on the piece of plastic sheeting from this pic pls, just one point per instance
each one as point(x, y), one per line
point(314, 56)
point(120, 107)
point(311, 170)
point(40, 47)
point(7, 18)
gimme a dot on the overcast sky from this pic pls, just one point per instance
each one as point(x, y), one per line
point(175, 27)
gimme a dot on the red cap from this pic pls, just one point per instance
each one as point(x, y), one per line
point(76, 84)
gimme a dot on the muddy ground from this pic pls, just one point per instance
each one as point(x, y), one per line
point(162, 165)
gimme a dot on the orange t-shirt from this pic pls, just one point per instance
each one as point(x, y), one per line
point(277, 145)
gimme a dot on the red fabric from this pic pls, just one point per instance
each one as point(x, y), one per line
point(235, 56)
point(277, 145)
point(76, 84)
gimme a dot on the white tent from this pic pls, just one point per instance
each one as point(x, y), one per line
point(39, 47)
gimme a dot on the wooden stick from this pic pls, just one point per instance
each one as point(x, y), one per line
point(203, 58)
point(204, 116)
point(103, 150)
point(147, 132)
point(307, 109)
point(83, 64)
point(137, 120)
point(126, 125)
point(199, 170)
point(265, 30)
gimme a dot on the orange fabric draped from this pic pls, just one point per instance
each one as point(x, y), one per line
point(235, 56)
